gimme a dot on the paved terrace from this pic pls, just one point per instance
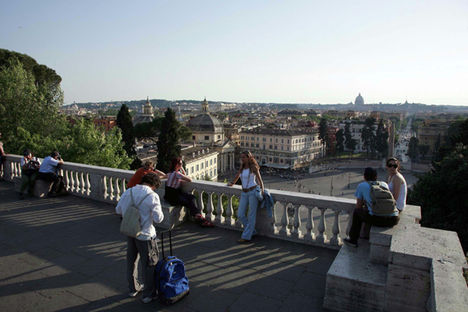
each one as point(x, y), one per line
point(66, 254)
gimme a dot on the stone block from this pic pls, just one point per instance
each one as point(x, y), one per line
point(17, 182)
point(353, 283)
point(407, 289)
point(42, 188)
point(416, 247)
point(173, 215)
point(379, 254)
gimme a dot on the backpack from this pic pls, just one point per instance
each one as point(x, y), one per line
point(383, 203)
point(171, 281)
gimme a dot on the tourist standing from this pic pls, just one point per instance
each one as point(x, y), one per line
point(252, 185)
point(397, 183)
point(29, 168)
point(176, 196)
point(144, 245)
point(148, 166)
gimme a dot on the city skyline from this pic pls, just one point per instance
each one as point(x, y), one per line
point(295, 52)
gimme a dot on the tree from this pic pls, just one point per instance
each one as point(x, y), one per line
point(168, 143)
point(323, 127)
point(368, 137)
point(441, 194)
point(413, 149)
point(381, 138)
point(350, 142)
point(124, 121)
point(340, 141)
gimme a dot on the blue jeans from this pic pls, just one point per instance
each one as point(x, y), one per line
point(248, 199)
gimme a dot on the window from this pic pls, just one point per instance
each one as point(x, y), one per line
point(271, 140)
point(207, 137)
point(214, 160)
point(193, 137)
point(211, 162)
point(206, 163)
point(214, 171)
point(258, 138)
point(256, 145)
point(219, 137)
point(202, 164)
point(276, 147)
point(281, 147)
point(252, 139)
point(242, 143)
point(271, 146)
point(282, 140)
point(242, 137)
point(198, 168)
point(276, 140)
point(264, 139)
point(191, 169)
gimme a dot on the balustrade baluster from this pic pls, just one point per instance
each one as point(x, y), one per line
point(350, 220)
point(322, 237)
point(310, 235)
point(336, 240)
point(229, 211)
point(88, 185)
point(201, 205)
point(117, 189)
point(296, 231)
point(123, 187)
point(76, 175)
point(104, 182)
point(284, 223)
point(219, 219)
point(209, 208)
point(82, 183)
point(111, 188)
point(72, 182)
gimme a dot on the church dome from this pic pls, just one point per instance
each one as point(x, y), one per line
point(206, 123)
point(359, 100)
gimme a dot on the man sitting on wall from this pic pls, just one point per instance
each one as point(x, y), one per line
point(48, 172)
point(374, 206)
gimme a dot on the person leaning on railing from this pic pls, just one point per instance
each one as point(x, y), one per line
point(48, 172)
point(176, 196)
point(148, 166)
point(252, 192)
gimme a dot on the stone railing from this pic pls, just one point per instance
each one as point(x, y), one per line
point(307, 218)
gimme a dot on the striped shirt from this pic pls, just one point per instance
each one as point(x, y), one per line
point(173, 179)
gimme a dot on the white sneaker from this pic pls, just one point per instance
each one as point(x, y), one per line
point(133, 294)
point(146, 299)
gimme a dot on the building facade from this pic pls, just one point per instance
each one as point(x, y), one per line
point(201, 163)
point(286, 149)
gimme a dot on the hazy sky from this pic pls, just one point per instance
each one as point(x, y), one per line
point(247, 51)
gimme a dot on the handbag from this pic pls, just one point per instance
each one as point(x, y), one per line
point(130, 225)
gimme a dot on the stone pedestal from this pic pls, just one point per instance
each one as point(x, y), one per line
point(42, 188)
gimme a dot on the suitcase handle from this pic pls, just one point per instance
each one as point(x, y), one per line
point(170, 243)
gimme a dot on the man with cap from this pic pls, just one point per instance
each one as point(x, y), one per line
point(48, 172)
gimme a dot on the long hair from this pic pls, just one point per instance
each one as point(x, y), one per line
point(252, 163)
point(396, 162)
point(174, 163)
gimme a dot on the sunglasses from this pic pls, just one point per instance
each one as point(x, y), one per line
point(394, 166)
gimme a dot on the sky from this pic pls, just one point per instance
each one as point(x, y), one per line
point(247, 51)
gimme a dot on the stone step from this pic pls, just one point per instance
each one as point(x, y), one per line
point(354, 283)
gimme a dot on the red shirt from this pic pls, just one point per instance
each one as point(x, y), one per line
point(139, 174)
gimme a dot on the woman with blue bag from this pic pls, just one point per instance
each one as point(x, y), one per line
point(252, 193)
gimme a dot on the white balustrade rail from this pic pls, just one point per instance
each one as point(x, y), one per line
point(297, 217)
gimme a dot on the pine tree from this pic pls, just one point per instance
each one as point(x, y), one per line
point(381, 138)
point(168, 143)
point(368, 136)
point(323, 130)
point(124, 121)
point(340, 141)
point(350, 143)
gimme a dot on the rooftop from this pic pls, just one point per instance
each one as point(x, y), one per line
point(67, 254)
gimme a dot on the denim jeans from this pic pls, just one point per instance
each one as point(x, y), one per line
point(248, 199)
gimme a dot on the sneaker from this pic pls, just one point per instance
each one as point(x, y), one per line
point(244, 241)
point(133, 294)
point(349, 242)
point(147, 299)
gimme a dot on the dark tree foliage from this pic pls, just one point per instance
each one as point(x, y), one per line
point(368, 137)
point(340, 141)
point(124, 121)
point(168, 143)
point(381, 138)
point(413, 149)
point(350, 142)
point(442, 194)
point(323, 127)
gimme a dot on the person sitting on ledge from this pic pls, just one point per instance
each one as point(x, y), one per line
point(366, 209)
point(148, 166)
point(48, 172)
point(176, 196)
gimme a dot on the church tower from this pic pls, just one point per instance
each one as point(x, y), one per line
point(204, 106)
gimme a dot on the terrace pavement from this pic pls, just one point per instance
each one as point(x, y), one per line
point(66, 254)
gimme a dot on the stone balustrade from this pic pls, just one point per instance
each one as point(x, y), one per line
point(296, 216)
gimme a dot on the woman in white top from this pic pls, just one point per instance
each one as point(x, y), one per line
point(397, 183)
point(250, 177)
